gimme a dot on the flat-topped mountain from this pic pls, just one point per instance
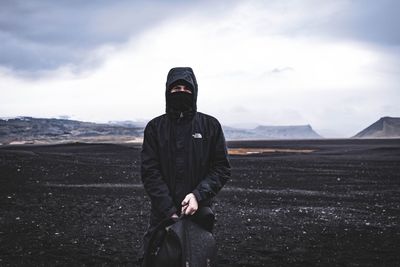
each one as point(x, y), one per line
point(43, 130)
point(385, 127)
point(271, 132)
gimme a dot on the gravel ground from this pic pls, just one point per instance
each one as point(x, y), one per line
point(83, 204)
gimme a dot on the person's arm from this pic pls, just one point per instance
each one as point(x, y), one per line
point(152, 180)
point(219, 173)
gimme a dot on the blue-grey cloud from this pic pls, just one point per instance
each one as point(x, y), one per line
point(374, 21)
point(370, 21)
point(43, 35)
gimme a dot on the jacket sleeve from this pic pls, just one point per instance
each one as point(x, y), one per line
point(153, 182)
point(220, 170)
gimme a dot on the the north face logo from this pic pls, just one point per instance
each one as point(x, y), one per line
point(197, 135)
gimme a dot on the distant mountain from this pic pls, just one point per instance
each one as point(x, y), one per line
point(385, 127)
point(135, 124)
point(51, 130)
point(271, 132)
point(43, 130)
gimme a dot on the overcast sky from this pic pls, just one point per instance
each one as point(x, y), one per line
point(332, 64)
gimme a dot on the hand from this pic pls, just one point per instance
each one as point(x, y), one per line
point(189, 204)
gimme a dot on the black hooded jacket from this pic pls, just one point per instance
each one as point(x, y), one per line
point(183, 152)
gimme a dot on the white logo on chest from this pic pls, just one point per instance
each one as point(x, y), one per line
point(197, 135)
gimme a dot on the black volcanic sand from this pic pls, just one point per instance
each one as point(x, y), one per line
point(82, 204)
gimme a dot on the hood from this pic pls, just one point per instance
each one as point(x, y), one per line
point(185, 74)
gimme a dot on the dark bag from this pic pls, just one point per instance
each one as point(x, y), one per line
point(181, 243)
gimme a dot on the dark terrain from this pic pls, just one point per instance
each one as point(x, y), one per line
point(83, 204)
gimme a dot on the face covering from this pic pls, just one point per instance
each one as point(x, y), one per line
point(180, 101)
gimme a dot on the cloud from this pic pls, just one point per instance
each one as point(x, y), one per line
point(369, 21)
point(53, 34)
point(281, 70)
point(37, 36)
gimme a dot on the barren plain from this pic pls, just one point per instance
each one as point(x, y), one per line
point(288, 203)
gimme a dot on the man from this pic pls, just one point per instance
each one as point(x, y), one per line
point(184, 155)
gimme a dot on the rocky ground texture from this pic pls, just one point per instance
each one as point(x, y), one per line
point(300, 203)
